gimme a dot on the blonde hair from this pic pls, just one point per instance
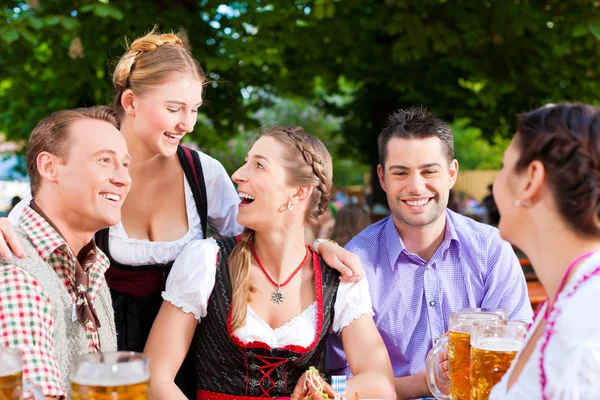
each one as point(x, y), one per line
point(307, 162)
point(150, 61)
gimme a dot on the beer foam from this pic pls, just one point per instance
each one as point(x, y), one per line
point(499, 344)
point(92, 374)
point(10, 366)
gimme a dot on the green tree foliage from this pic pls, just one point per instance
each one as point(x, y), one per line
point(284, 112)
point(473, 150)
point(485, 60)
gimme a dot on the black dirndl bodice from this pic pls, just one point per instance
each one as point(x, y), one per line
point(226, 365)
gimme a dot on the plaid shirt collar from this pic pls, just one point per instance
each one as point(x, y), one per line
point(46, 240)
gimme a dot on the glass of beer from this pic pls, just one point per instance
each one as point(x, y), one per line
point(12, 386)
point(494, 345)
point(114, 376)
point(500, 311)
point(458, 346)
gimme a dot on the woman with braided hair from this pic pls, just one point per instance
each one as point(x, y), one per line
point(257, 308)
point(158, 88)
point(548, 195)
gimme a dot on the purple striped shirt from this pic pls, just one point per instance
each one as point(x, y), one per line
point(413, 299)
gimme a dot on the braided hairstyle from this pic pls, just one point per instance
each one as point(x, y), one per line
point(307, 162)
point(150, 61)
point(566, 139)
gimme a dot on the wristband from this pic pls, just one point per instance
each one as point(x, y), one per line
point(318, 241)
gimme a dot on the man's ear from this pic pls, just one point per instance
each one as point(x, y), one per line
point(380, 174)
point(47, 166)
point(453, 172)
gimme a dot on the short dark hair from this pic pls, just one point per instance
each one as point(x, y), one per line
point(52, 135)
point(415, 123)
point(566, 139)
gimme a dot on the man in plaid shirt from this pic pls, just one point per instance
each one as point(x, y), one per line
point(54, 303)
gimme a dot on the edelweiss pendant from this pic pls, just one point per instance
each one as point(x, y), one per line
point(277, 296)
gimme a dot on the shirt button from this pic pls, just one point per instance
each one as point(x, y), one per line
point(432, 303)
point(429, 267)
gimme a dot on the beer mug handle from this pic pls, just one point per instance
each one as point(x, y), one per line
point(432, 368)
point(34, 390)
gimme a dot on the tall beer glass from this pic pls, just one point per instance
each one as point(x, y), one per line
point(500, 311)
point(458, 345)
point(494, 345)
point(12, 386)
point(110, 376)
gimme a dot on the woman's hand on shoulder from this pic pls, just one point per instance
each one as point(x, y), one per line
point(340, 259)
point(9, 243)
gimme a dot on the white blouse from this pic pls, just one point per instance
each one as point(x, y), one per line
point(222, 203)
point(192, 279)
point(572, 357)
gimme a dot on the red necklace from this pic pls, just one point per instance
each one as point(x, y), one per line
point(277, 295)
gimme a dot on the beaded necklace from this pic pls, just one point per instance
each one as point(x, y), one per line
point(551, 314)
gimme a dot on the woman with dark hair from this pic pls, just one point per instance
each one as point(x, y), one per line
point(548, 194)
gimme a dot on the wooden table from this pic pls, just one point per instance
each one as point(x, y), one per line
point(537, 294)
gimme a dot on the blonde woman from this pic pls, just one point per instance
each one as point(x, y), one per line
point(158, 89)
point(263, 303)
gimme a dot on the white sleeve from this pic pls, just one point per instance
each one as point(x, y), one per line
point(192, 278)
point(15, 213)
point(353, 301)
point(222, 197)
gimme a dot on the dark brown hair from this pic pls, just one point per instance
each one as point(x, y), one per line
point(52, 135)
point(415, 123)
point(150, 61)
point(566, 139)
point(349, 222)
point(307, 163)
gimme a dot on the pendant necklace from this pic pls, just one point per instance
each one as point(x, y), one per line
point(277, 296)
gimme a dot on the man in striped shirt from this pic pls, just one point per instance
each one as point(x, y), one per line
point(54, 302)
point(424, 262)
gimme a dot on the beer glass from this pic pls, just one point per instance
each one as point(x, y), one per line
point(494, 345)
point(458, 345)
point(114, 376)
point(500, 311)
point(12, 386)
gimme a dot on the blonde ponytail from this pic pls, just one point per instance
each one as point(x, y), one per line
point(240, 261)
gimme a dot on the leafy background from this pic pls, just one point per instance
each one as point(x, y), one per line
point(336, 67)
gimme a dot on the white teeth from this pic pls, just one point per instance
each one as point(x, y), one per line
point(245, 196)
point(110, 196)
point(172, 136)
point(417, 203)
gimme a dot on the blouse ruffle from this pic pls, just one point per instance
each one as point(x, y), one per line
point(192, 279)
point(572, 356)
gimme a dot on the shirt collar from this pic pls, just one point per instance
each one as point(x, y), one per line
point(43, 236)
point(46, 240)
point(450, 235)
point(395, 245)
